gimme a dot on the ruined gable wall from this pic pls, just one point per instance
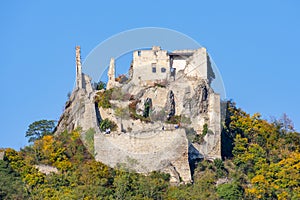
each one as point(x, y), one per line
point(143, 62)
point(179, 63)
point(197, 64)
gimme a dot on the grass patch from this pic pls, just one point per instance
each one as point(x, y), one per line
point(89, 139)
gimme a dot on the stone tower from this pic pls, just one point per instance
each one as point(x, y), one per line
point(78, 69)
point(111, 74)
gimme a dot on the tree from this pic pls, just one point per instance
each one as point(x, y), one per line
point(101, 85)
point(11, 186)
point(285, 124)
point(38, 129)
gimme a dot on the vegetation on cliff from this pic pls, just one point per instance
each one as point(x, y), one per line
point(261, 161)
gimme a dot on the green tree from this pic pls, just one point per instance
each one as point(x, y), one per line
point(101, 85)
point(38, 129)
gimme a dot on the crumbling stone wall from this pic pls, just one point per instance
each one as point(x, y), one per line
point(1, 154)
point(197, 65)
point(146, 152)
point(150, 65)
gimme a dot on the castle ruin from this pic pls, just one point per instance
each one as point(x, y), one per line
point(166, 113)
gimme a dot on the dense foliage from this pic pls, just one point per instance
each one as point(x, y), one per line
point(266, 155)
point(262, 162)
point(11, 185)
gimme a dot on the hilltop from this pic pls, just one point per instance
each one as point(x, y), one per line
point(166, 135)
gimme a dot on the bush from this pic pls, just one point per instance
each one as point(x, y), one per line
point(230, 191)
point(107, 124)
point(199, 138)
point(205, 130)
point(101, 85)
point(179, 119)
point(219, 163)
point(102, 98)
point(134, 115)
point(176, 119)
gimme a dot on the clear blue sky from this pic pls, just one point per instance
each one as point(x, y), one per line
point(255, 45)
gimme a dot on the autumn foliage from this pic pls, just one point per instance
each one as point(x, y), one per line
point(261, 160)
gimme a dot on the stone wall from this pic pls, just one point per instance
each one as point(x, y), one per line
point(211, 148)
point(1, 155)
point(145, 60)
point(146, 152)
point(179, 63)
point(197, 65)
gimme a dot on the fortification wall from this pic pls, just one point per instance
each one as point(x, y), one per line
point(146, 152)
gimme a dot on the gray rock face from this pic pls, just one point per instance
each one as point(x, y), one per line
point(169, 94)
point(147, 107)
point(171, 105)
point(80, 111)
point(200, 99)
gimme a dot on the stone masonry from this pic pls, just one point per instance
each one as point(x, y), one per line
point(178, 86)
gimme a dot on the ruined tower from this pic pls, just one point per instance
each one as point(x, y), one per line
point(111, 74)
point(78, 68)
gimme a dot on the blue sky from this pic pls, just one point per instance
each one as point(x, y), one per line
point(255, 45)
